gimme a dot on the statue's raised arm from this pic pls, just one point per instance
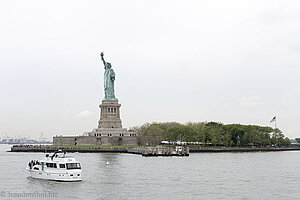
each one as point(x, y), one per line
point(102, 58)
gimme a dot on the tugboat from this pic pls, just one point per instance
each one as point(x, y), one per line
point(57, 167)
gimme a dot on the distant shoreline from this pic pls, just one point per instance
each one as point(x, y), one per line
point(49, 149)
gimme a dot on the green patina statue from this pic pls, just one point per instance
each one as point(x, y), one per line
point(109, 78)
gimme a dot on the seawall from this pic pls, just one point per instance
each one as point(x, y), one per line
point(241, 149)
point(30, 148)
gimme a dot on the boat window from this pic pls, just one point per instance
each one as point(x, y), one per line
point(51, 165)
point(73, 166)
point(62, 166)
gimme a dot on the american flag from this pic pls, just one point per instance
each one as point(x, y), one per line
point(273, 120)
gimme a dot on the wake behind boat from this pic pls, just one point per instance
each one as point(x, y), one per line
point(58, 167)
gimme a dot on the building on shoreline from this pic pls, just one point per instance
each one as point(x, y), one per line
point(109, 131)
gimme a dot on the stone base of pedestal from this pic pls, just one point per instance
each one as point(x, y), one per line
point(114, 136)
point(111, 132)
point(94, 140)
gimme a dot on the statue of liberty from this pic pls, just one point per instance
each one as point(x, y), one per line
point(109, 78)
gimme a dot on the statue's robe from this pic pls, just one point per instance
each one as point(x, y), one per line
point(109, 78)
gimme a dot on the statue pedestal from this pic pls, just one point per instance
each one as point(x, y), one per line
point(110, 131)
point(110, 123)
point(110, 115)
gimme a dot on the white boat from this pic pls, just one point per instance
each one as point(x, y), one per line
point(57, 167)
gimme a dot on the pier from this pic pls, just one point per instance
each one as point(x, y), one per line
point(161, 151)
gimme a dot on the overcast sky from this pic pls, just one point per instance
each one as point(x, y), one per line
point(225, 61)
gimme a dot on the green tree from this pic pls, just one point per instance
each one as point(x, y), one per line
point(277, 137)
point(287, 141)
point(181, 133)
point(210, 133)
point(237, 134)
point(151, 134)
point(199, 128)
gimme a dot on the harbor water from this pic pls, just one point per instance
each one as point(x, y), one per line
point(255, 175)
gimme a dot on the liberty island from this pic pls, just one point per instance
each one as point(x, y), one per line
point(110, 131)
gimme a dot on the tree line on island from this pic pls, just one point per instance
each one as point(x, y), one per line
point(211, 133)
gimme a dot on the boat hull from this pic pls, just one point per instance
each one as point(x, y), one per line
point(56, 176)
